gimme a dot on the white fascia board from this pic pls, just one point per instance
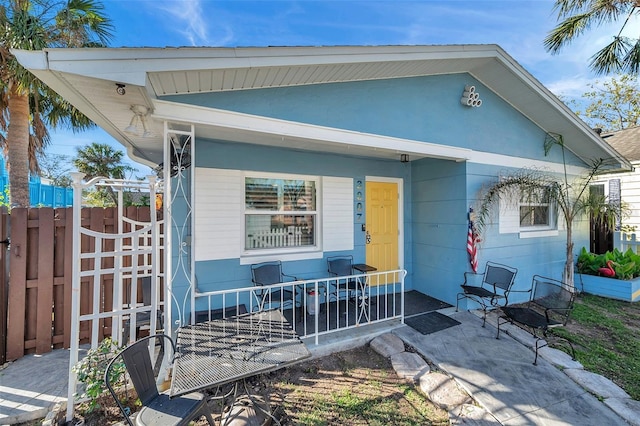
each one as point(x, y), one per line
point(130, 65)
point(105, 64)
point(170, 111)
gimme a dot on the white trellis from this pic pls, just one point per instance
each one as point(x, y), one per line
point(136, 254)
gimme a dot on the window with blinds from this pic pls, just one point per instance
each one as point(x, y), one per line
point(537, 212)
point(280, 212)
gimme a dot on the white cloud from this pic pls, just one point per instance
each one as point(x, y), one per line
point(189, 19)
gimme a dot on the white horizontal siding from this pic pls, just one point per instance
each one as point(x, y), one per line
point(337, 213)
point(509, 218)
point(218, 214)
point(629, 193)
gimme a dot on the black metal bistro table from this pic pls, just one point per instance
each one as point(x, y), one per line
point(223, 351)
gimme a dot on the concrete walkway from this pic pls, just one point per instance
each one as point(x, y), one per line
point(498, 374)
point(501, 377)
point(31, 386)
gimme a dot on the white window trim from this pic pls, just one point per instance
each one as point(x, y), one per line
point(539, 234)
point(509, 221)
point(282, 253)
point(551, 217)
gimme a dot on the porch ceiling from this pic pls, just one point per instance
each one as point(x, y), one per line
point(88, 77)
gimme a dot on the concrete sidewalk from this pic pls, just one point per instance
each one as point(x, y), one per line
point(500, 377)
point(31, 386)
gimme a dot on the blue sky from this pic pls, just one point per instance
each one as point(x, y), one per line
point(518, 26)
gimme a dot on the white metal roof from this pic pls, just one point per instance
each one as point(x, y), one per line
point(87, 78)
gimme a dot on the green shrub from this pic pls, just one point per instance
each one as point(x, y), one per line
point(90, 371)
point(626, 265)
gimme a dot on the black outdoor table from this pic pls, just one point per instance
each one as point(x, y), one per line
point(222, 351)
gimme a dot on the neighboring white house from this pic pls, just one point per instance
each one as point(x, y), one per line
point(624, 186)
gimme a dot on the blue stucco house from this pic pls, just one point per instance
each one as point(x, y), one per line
point(302, 153)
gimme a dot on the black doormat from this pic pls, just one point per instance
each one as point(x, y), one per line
point(419, 303)
point(430, 322)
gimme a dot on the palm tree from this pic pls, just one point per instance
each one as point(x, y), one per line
point(570, 196)
point(27, 106)
point(576, 16)
point(101, 160)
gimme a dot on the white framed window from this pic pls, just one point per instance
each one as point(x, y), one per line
point(221, 216)
point(536, 212)
point(281, 213)
point(535, 216)
point(532, 216)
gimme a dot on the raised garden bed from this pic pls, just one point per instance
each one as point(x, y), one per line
point(628, 290)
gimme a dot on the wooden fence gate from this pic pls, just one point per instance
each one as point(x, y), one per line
point(36, 302)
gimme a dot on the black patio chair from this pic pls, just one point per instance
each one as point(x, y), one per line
point(549, 306)
point(493, 290)
point(143, 319)
point(268, 273)
point(157, 408)
point(342, 266)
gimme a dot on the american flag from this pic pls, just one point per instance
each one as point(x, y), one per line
point(471, 248)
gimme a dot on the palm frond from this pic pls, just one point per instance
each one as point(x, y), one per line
point(530, 185)
point(576, 16)
point(550, 140)
point(631, 61)
point(566, 31)
point(82, 23)
point(567, 7)
point(610, 58)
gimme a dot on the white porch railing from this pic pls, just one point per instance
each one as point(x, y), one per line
point(319, 306)
point(623, 241)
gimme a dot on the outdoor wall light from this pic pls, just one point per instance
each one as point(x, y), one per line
point(140, 113)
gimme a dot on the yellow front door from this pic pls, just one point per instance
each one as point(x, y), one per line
point(382, 225)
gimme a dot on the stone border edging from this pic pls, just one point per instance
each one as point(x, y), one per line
point(440, 388)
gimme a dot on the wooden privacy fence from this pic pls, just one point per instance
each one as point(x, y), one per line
point(39, 292)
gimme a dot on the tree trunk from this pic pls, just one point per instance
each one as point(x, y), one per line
point(568, 266)
point(18, 148)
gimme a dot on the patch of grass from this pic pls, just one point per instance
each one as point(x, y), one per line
point(355, 387)
point(605, 335)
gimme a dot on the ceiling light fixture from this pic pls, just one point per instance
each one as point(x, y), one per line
point(140, 113)
point(120, 89)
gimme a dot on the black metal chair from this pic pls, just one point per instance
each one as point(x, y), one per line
point(549, 306)
point(493, 290)
point(268, 273)
point(342, 266)
point(157, 408)
point(143, 318)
